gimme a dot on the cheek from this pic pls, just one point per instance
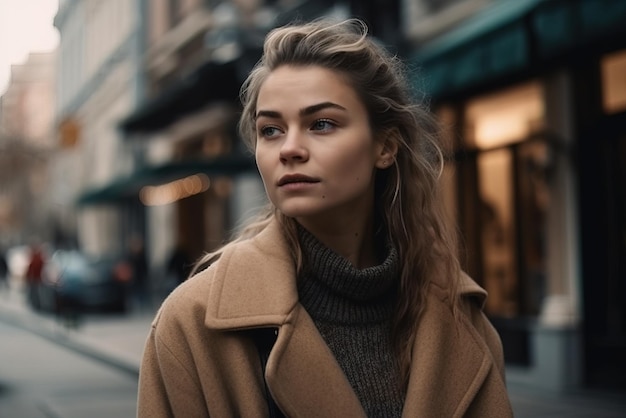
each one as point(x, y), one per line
point(355, 170)
point(357, 163)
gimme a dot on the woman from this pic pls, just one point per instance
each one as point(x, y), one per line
point(351, 273)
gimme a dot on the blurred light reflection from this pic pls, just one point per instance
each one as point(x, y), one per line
point(176, 190)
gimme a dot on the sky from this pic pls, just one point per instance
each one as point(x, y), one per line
point(25, 26)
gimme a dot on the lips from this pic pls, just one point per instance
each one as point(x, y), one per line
point(296, 178)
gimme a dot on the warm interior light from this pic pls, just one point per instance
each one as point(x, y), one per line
point(505, 117)
point(171, 192)
point(614, 82)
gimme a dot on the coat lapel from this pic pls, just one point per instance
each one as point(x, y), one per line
point(450, 362)
point(253, 286)
point(303, 375)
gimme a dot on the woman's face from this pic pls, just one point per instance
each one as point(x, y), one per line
point(314, 147)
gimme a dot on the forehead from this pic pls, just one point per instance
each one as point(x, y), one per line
point(296, 86)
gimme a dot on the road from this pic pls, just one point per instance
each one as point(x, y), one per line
point(40, 379)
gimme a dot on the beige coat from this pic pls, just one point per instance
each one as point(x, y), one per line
point(197, 363)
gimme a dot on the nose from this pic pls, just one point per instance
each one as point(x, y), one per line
point(293, 148)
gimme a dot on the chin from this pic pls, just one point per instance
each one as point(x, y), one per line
point(299, 210)
point(296, 213)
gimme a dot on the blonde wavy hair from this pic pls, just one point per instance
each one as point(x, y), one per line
point(408, 195)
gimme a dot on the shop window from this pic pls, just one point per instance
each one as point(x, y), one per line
point(495, 198)
point(532, 168)
point(504, 117)
point(614, 82)
point(512, 202)
point(503, 163)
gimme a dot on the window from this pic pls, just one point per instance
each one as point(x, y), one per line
point(504, 117)
point(614, 82)
point(502, 196)
point(495, 199)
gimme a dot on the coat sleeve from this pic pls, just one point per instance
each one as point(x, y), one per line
point(168, 384)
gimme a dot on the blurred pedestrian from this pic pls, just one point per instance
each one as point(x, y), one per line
point(34, 275)
point(4, 271)
point(138, 264)
point(179, 266)
point(345, 298)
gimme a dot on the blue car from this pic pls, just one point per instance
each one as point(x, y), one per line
point(73, 281)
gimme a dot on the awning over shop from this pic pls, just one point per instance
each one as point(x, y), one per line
point(129, 186)
point(513, 36)
point(211, 82)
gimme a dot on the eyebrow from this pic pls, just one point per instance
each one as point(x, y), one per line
point(309, 110)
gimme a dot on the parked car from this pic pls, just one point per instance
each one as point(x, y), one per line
point(73, 281)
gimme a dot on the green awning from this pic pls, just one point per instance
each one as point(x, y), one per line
point(485, 23)
point(489, 43)
point(515, 36)
point(128, 187)
point(573, 25)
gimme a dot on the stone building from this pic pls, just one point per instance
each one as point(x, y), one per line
point(26, 143)
point(98, 82)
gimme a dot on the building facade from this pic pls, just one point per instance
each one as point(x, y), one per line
point(532, 96)
point(98, 83)
point(26, 143)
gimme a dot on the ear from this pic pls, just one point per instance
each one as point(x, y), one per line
point(387, 148)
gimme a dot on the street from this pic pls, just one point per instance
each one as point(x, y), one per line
point(47, 371)
point(41, 379)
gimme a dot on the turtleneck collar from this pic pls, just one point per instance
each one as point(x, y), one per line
point(332, 289)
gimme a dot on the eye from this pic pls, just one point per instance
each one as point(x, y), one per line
point(269, 131)
point(323, 125)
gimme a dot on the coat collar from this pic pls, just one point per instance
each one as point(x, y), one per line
point(253, 283)
point(253, 286)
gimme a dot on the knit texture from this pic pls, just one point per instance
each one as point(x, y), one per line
point(352, 310)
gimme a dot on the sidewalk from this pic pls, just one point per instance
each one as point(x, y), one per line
point(118, 341)
point(115, 339)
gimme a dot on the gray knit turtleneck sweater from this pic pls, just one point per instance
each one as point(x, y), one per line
point(352, 310)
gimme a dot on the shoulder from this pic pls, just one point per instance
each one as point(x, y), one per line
point(470, 290)
point(467, 308)
point(466, 290)
point(252, 282)
point(189, 300)
point(182, 312)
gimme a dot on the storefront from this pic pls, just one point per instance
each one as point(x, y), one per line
point(532, 95)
